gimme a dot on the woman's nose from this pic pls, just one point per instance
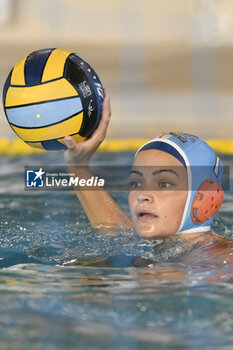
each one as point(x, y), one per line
point(145, 197)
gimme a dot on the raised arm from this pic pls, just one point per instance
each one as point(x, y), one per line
point(99, 207)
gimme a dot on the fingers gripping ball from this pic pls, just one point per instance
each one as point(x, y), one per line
point(50, 94)
point(207, 201)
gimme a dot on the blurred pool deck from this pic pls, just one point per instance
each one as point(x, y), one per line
point(163, 69)
point(153, 94)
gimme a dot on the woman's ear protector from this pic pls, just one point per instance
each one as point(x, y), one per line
point(207, 201)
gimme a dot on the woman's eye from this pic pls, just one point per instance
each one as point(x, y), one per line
point(165, 184)
point(134, 185)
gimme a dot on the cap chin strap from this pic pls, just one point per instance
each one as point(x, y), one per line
point(194, 230)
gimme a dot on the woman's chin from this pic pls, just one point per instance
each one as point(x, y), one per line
point(147, 231)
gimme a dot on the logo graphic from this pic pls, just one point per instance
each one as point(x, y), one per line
point(35, 178)
point(90, 109)
point(85, 89)
point(100, 91)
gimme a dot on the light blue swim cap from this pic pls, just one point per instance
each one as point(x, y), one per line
point(203, 166)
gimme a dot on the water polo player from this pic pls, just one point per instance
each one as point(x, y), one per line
point(175, 185)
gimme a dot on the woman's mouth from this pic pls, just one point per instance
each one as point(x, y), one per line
point(145, 215)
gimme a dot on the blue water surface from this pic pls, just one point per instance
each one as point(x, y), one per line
point(65, 285)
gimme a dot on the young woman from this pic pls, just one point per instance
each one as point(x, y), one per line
point(175, 188)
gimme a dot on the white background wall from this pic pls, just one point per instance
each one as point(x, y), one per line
point(167, 64)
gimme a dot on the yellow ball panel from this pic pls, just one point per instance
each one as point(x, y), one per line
point(35, 144)
point(68, 127)
point(17, 77)
point(54, 67)
point(17, 96)
point(78, 138)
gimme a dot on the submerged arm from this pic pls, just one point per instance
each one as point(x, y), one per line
point(98, 205)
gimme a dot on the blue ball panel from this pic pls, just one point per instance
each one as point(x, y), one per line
point(93, 80)
point(34, 66)
point(44, 114)
point(53, 145)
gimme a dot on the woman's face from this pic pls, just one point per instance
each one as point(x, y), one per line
point(158, 194)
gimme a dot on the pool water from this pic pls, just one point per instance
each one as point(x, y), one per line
point(65, 285)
